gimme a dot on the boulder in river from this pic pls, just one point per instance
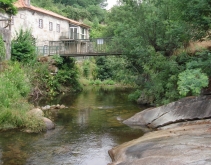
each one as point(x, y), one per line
point(36, 112)
point(190, 108)
point(188, 144)
point(39, 114)
point(48, 107)
point(183, 137)
point(49, 124)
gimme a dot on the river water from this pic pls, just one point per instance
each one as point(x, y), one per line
point(85, 131)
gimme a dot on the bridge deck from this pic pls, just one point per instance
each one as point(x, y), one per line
point(90, 54)
point(80, 48)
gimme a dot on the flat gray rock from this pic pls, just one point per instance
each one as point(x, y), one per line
point(190, 108)
point(184, 145)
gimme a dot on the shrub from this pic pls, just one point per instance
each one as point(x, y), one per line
point(108, 82)
point(86, 69)
point(135, 95)
point(14, 87)
point(192, 81)
point(103, 69)
point(23, 47)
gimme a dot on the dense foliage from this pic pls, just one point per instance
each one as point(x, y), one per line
point(14, 87)
point(46, 82)
point(23, 47)
point(83, 3)
point(6, 6)
point(103, 69)
point(77, 10)
point(154, 36)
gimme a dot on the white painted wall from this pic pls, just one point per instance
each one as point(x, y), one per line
point(30, 19)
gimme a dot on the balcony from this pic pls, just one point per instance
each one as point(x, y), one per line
point(73, 36)
point(91, 47)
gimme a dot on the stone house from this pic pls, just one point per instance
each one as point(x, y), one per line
point(46, 25)
point(5, 33)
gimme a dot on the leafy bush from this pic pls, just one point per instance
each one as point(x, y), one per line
point(86, 69)
point(103, 70)
point(135, 95)
point(58, 59)
point(192, 81)
point(7, 6)
point(23, 47)
point(14, 87)
point(108, 82)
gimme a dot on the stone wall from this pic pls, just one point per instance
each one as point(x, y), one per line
point(6, 34)
point(28, 19)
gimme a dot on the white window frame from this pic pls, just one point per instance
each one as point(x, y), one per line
point(51, 26)
point(74, 33)
point(45, 49)
point(41, 23)
point(100, 41)
point(83, 33)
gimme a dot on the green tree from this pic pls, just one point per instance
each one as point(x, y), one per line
point(23, 47)
point(84, 3)
point(6, 6)
point(76, 13)
point(187, 85)
point(103, 70)
point(96, 12)
point(149, 33)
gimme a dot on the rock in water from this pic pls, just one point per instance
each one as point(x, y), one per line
point(183, 138)
point(49, 124)
point(187, 144)
point(189, 108)
point(36, 112)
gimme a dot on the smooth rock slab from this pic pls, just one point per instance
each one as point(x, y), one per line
point(190, 108)
point(183, 145)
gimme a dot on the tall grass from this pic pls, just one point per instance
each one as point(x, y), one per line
point(14, 88)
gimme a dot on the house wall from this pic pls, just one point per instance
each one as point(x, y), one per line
point(30, 19)
point(5, 33)
point(5, 23)
point(7, 41)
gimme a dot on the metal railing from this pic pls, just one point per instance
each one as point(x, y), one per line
point(92, 46)
point(42, 50)
point(72, 36)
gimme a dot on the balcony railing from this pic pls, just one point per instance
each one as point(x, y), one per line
point(72, 36)
point(91, 46)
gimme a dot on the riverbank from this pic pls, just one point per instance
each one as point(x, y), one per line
point(83, 134)
point(182, 135)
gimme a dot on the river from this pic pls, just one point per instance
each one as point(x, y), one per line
point(85, 131)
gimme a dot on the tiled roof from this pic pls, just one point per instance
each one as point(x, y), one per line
point(21, 4)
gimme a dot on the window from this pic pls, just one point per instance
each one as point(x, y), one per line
point(50, 26)
point(83, 33)
point(58, 28)
point(73, 33)
point(40, 23)
point(45, 49)
point(100, 41)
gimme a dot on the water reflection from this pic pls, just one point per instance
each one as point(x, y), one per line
point(84, 132)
